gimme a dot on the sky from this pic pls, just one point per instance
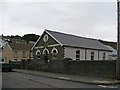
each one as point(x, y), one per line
point(87, 18)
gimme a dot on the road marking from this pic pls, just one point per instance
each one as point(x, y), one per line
point(102, 86)
point(63, 78)
point(107, 86)
point(112, 87)
point(101, 81)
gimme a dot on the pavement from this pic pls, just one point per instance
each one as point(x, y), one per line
point(73, 78)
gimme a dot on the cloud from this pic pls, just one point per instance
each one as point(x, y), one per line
point(91, 19)
point(58, 0)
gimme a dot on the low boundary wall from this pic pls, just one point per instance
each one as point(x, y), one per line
point(106, 68)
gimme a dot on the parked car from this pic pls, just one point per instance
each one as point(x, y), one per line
point(7, 67)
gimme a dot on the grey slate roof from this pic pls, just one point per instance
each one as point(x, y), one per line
point(77, 41)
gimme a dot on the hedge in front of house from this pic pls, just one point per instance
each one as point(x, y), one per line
point(16, 64)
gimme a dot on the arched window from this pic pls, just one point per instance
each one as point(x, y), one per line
point(46, 56)
point(38, 53)
point(46, 51)
point(45, 38)
point(54, 53)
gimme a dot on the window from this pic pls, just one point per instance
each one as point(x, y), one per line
point(54, 53)
point(38, 54)
point(46, 55)
point(54, 56)
point(15, 59)
point(23, 54)
point(46, 51)
point(15, 54)
point(92, 55)
point(45, 38)
point(78, 55)
point(31, 55)
point(103, 56)
point(3, 60)
point(38, 57)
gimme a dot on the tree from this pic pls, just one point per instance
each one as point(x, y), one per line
point(30, 37)
point(112, 44)
point(16, 36)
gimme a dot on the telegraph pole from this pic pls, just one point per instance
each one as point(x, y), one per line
point(118, 42)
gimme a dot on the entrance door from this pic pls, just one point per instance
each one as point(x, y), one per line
point(46, 56)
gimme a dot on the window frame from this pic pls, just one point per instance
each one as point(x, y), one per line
point(77, 54)
point(38, 55)
point(24, 54)
point(92, 55)
point(31, 55)
point(15, 54)
point(45, 38)
point(104, 56)
point(54, 55)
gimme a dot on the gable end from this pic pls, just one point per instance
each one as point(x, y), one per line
point(41, 38)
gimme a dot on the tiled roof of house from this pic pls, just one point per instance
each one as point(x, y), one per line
point(77, 41)
point(20, 46)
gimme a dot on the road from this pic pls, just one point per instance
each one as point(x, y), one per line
point(20, 80)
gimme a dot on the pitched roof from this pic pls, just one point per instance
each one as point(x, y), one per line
point(77, 41)
point(20, 46)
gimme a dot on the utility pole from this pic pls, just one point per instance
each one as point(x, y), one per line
point(118, 42)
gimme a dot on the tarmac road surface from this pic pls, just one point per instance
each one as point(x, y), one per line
point(20, 80)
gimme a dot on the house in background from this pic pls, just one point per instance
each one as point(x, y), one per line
point(0, 55)
point(113, 56)
point(54, 45)
point(13, 40)
point(16, 52)
point(2, 44)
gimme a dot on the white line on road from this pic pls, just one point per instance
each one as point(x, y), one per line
point(112, 87)
point(63, 78)
point(102, 86)
point(107, 86)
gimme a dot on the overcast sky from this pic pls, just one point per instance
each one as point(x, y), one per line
point(93, 19)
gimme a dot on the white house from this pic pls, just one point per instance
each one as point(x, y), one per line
point(56, 45)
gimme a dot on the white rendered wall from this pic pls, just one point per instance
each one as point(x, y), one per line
point(70, 52)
